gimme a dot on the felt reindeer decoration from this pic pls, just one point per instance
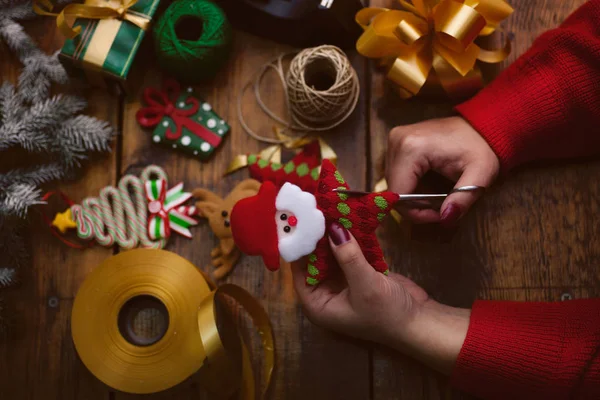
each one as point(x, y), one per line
point(217, 211)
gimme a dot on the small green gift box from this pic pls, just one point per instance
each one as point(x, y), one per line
point(105, 48)
point(182, 120)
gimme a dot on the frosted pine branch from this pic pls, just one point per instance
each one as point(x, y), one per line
point(18, 198)
point(8, 277)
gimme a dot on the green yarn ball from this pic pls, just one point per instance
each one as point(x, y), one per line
point(192, 40)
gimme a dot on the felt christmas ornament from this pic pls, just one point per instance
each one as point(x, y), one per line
point(142, 212)
point(217, 211)
point(302, 170)
point(182, 120)
point(290, 223)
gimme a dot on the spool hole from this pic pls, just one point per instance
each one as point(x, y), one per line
point(143, 320)
point(189, 28)
point(320, 74)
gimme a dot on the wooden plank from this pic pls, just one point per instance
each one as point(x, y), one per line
point(526, 240)
point(39, 359)
point(309, 361)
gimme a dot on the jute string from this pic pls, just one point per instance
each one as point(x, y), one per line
point(311, 108)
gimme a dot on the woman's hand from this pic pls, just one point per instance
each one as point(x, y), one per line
point(449, 146)
point(390, 310)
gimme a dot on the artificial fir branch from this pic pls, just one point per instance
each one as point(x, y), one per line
point(8, 277)
point(49, 130)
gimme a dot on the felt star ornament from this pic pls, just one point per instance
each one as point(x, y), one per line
point(290, 223)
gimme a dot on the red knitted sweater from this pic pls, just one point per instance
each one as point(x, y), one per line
point(546, 105)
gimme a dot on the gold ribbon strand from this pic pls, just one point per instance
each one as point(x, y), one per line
point(432, 37)
point(92, 9)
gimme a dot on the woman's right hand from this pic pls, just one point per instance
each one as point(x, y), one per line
point(449, 146)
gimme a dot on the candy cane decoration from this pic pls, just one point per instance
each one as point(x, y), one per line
point(120, 215)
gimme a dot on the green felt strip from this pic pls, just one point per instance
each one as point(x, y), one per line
point(179, 221)
point(156, 227)
point(313, 270)
point(312, 258)
point(339, 178)
point(154, 188)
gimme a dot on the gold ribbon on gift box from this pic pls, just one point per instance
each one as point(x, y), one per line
point(432, 36)
point(92, 9)
point(199, 337)
point(273, 153)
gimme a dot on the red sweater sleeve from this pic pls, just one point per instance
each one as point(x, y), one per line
point(517, 350)
point(546, 105)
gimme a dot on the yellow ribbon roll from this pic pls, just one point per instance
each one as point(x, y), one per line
point(432, 35)
point(92, 9)
point(196, 338)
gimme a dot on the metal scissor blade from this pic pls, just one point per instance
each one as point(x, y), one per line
point(412, 197)
point(402, 196)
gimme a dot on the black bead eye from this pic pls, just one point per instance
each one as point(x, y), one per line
point(283, 217)
point(224, 213)
point(226, 223)
point(287, 229)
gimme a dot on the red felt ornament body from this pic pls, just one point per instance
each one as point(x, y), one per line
point(290, 223)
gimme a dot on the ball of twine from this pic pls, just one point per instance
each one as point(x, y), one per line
point(322, 87)
point(321, 90)
point(192, 40)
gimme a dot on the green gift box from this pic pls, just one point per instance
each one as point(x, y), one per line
point(105, 48)
point(182, 120)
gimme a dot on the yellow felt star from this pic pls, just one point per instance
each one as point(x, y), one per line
point(63, 221)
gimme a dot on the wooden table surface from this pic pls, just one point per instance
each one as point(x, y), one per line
point(532, 237)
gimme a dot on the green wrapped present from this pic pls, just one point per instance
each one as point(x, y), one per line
point(182, 120)
point(105, 37)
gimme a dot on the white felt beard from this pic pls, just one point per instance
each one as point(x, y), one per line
point(310, 227)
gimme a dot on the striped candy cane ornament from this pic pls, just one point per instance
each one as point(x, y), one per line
point(122, 215)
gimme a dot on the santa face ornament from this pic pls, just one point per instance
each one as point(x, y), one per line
point(289, 223)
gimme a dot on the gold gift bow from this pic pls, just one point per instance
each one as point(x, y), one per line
point(273, 153)
point(432, 34)
point(92, 9)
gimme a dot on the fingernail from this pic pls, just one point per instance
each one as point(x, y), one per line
point(450, 215)
point(338, 234)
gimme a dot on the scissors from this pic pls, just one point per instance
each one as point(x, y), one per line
point(418, 198)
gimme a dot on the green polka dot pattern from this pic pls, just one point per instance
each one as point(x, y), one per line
point(381, 202)
point(345, 222)
point(343, 208)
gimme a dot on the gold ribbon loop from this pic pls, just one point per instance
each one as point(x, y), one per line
point(92, 9)
point(431, 34)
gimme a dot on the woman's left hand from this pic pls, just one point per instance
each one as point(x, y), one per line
point(391, 310)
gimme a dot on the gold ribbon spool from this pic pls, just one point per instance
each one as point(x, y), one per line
point(192, 342)
point(432, 36)
point(92, 9)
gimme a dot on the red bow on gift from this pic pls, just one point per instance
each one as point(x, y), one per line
point(162, 103)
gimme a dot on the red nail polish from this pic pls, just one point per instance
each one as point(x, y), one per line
point(338, 234)
point(450, 215)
